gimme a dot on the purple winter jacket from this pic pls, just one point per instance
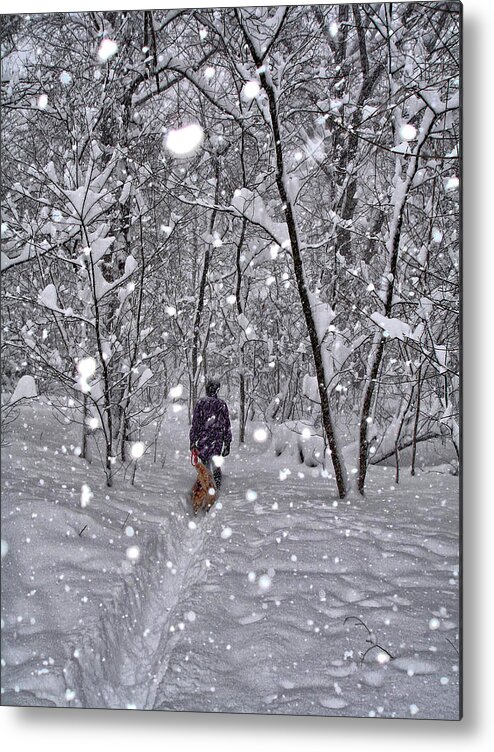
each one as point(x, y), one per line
point(210, 429)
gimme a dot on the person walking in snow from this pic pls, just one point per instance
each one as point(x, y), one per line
point(210, 432)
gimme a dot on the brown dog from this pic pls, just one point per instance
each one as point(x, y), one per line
point(203, 490)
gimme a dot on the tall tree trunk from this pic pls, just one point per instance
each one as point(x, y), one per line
point(416, 424)
point(402, 188)
point(107, 418)
point(85, 415)
point(240, 310)
point(298, 266)
point(202, 290)
point(404, 410)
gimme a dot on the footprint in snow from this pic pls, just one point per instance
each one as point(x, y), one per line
point(335, 703)
point(414, 666)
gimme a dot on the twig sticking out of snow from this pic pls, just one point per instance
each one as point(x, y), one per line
point(453, 646)
point(371, 638)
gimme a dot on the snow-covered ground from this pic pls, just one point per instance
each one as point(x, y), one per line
point(120, 598)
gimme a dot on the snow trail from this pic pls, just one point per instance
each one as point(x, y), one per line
point(139, 627)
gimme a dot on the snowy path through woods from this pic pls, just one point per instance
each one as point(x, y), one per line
point(242, 610)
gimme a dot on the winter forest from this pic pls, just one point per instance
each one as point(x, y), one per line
point(269, 196)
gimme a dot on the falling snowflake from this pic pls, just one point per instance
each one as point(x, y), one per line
point(452, 183)
point(65, 78)
point(176, 391)
point(408, 132)
point(137, 450)
point(264, 582)
point(183, 142)
point(382, 658)
point(133, 553)
point(250, 90)
point(106, 50)
point(260, 435)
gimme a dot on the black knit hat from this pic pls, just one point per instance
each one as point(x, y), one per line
point(212, 387)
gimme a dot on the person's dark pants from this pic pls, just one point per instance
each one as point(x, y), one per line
point(214, 469)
